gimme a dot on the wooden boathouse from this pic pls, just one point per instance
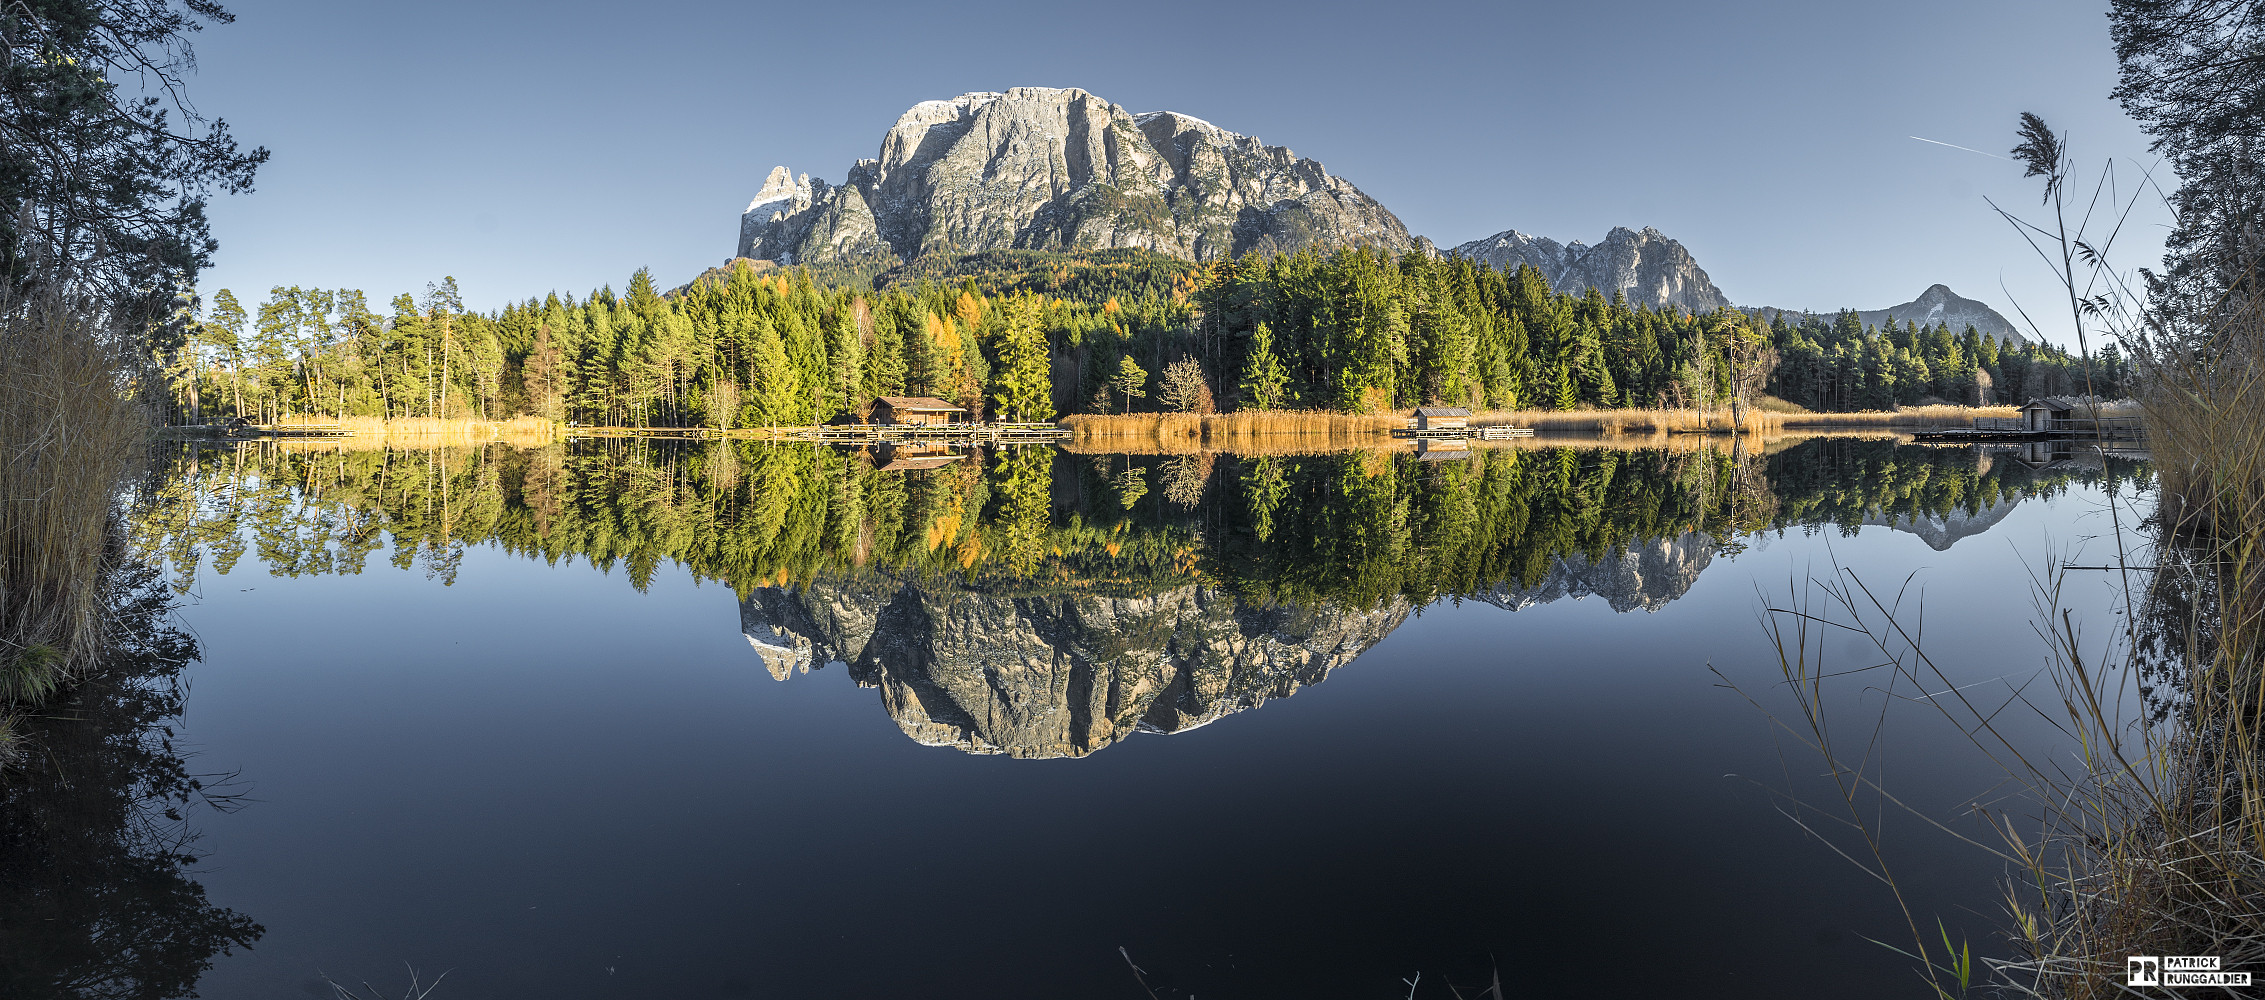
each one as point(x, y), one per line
point(1442, 418)
point(916, 411)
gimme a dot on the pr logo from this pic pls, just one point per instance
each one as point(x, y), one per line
point(2143, 970)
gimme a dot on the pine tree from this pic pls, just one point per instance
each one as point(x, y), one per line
point(845, 359)
point(1022, 387)
point(1265, 381)
point(772, 385)
point(1129, 380)
point(225, 334)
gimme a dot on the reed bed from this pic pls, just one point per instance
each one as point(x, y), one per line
point(1317, 428)
point(1284, 445)
point(2163, 843)
point(1613, 423)
point(1253, 446)
point(71, 438)
point(1907, 417)
point(2202, 401)
point(1164, 427)
point(524, 432)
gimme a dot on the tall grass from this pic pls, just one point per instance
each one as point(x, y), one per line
point(2144, 834)
point(2156, 844)
point(71, 436)
point(1161, 427)
point(525, 432)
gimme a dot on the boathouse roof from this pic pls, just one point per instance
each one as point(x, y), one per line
point(1442, 411)
point(923, 403)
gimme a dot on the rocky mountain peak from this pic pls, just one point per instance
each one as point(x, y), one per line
point(1938, 304)
point(1645, 265)
point(1055, 675)
point(1645, 576)
point(1050, 168)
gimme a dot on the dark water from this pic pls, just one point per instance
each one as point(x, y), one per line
point(734, 721)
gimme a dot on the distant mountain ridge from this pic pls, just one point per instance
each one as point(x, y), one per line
point(1045, 168)
point(1646, 266)
point(1938, 304)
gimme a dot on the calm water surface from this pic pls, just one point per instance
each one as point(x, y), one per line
point(734, 721)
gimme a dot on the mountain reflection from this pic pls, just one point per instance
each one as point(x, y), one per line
point(1039, 603)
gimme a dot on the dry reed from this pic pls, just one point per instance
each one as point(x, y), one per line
point(1164, 427)
point(1174, 432)
point(70, 439)
point(524, 432)
point(2145, 833)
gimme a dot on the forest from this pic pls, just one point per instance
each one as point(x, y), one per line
point(1030, 336)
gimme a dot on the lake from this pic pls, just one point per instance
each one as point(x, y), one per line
point(724, 719)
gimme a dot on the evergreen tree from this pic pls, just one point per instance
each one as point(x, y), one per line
point(772, 386)
point(225, 334)
point(1022, 387)
point(1264, 379)
point(1129, 380)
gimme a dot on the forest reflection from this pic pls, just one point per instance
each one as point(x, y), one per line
point(1351, 526)
point(1039, 603)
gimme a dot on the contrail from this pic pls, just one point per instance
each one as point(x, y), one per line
point(1954, 145)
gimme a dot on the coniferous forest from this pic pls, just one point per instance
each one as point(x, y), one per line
point(1025, 335)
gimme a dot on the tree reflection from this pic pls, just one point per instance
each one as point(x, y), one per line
point(96, 859)
point(1354, 526)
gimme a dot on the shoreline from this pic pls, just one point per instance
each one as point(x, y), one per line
point(1281, 430)
point(1600, 423)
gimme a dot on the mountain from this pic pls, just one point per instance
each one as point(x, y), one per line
point(1044, 168)
point(1941, 531)
point(1938, 304)
point(1055, 675)
point(1648, 267)
point(1645, 575)
point(1066, 674)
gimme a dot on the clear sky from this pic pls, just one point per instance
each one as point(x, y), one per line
point(529, 146)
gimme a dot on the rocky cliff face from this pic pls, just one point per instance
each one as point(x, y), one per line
point(1644, 576)
point(1648, 267)
point(1055, 676)
point(1043, 168)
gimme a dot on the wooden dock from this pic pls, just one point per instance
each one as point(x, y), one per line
point(862, 434)
point(932, 433)
point(1464, 433)
point(255, 432)
point(1982, 434)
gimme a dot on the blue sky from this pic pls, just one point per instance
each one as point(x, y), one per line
point(524, 147)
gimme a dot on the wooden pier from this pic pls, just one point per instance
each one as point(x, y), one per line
point(1981, 434)
point(862, 434)
point(1464, 433)
point(247, 431)
point(926, 433)
point(1987, 429)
